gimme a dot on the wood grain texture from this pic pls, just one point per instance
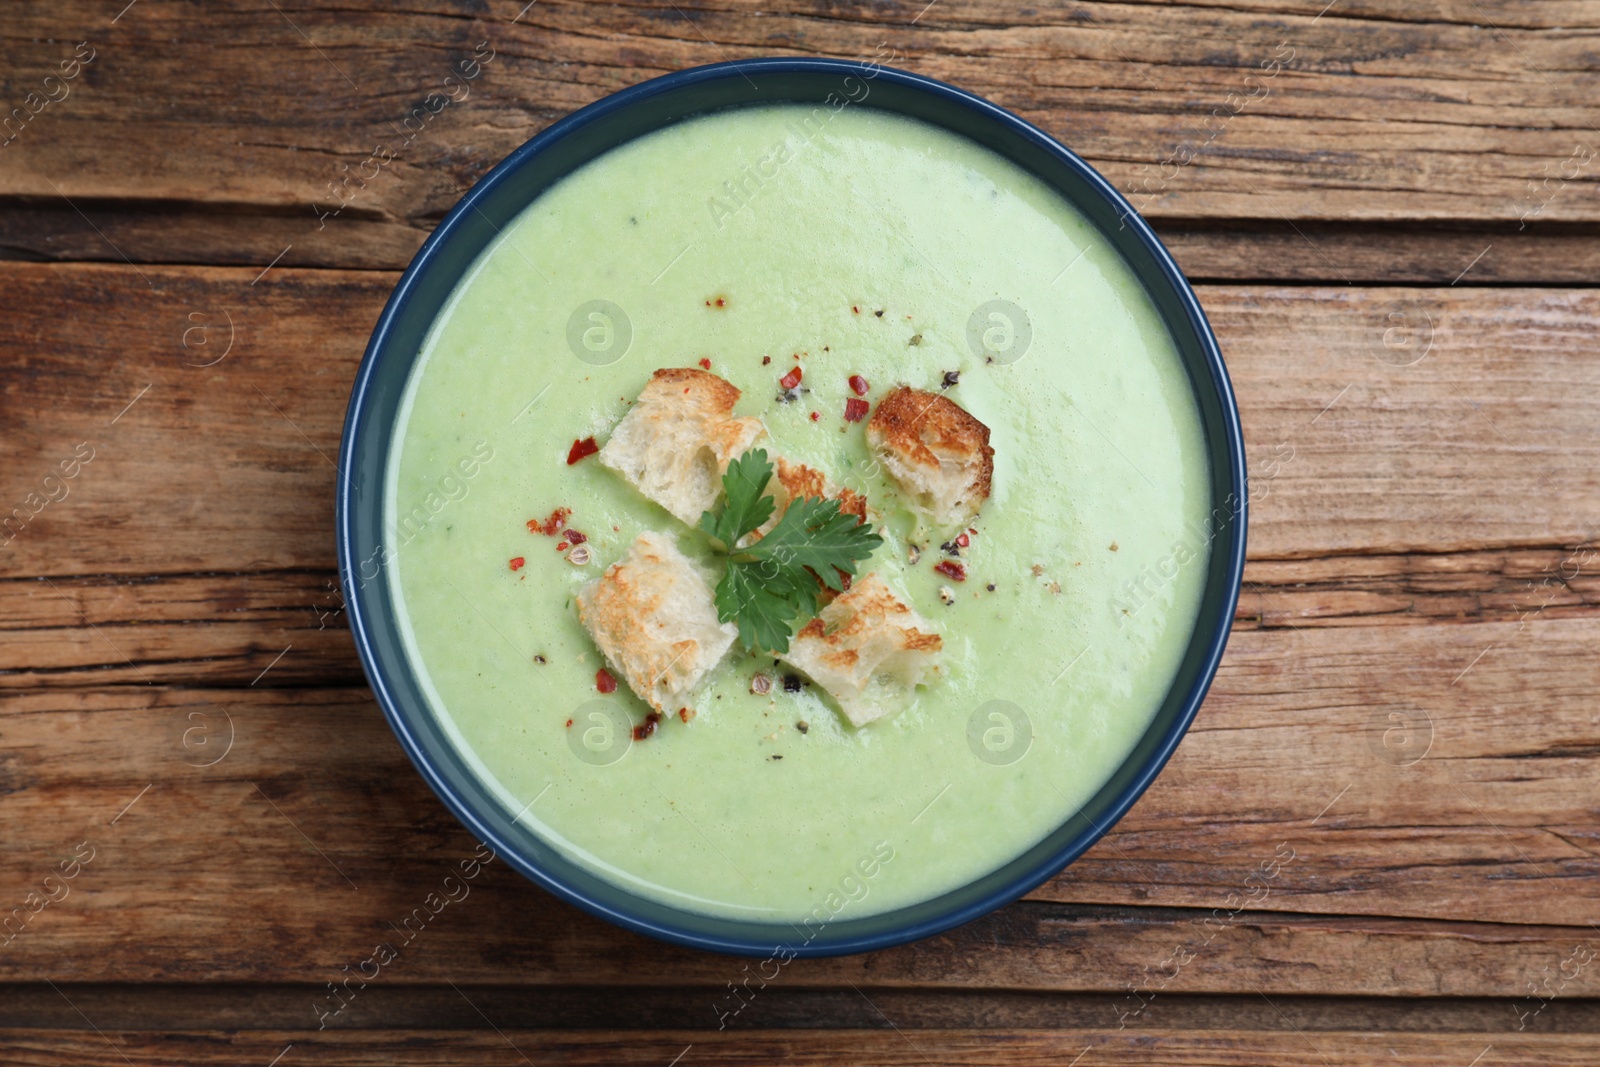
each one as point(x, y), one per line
point(1279, 111)
point(261, 1005)
point(1218, 1048)
point(1464, 873)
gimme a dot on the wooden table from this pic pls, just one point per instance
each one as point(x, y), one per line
point(1396, 234)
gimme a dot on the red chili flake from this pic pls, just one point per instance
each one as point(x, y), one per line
point(551, 526)
point(569, 724)
point(963, 540)
point(580, 449)
point(790, 380)
point(855, 309)
point(951, 569)
point(858, 385)
point(685, 714)
point(855, 409)
point(815, 415)
point(562, 546)
point(575, 537)
point(604, 682)
point(648, 727)
point(705, 363)
point(765, 360)
point(516, 564)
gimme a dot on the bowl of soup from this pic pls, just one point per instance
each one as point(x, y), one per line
point(791, 507)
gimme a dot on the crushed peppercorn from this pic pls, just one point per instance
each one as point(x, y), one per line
point(858, 385)
point(951, 377)
point(765, 360)
point(574, 537)
point(951, 569)
point(803, 726)
point(815, 415)
point(648, 727)
point(580, 449)
point(791, 683)
point(551, 526)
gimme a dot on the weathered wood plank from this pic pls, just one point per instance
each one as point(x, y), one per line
point(1260, 111)
point(287, 627)
point(1421, 806)
point(891, 1048)
point(208, 629)
point(1484, 442)
point(1245, 250)
point(438, 1006)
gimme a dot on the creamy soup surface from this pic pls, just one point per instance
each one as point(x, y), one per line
point(848, 242)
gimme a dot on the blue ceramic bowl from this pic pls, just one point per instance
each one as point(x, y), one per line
point(473, 225)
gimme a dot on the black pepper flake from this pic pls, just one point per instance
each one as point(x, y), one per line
point(803, 726)
point(540, 660)
point(916, 339)
point(990, 587)
point(791, 683)
point(879, 313)
point(950, 548)
point(951, 377)
point(774, 756)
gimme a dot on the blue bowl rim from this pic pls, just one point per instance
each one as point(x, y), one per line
point(1231, 550)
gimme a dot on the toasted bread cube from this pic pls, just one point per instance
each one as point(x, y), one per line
point(677, 440)
point(653, 617)
point(936, 450)
point(791, 481)
point(868, 649)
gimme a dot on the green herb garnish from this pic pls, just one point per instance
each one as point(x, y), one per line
point(775, 580)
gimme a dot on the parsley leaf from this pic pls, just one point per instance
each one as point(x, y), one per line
point(814, 533)
point(746, 508)
point(771, 583)
point(764, 607)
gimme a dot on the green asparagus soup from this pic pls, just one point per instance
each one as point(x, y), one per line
point(869, 251)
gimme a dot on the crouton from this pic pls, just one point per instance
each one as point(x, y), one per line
point(677, 440)
point(936, 450)
point(791, 481)
point(653, 617)
point(868, 649)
